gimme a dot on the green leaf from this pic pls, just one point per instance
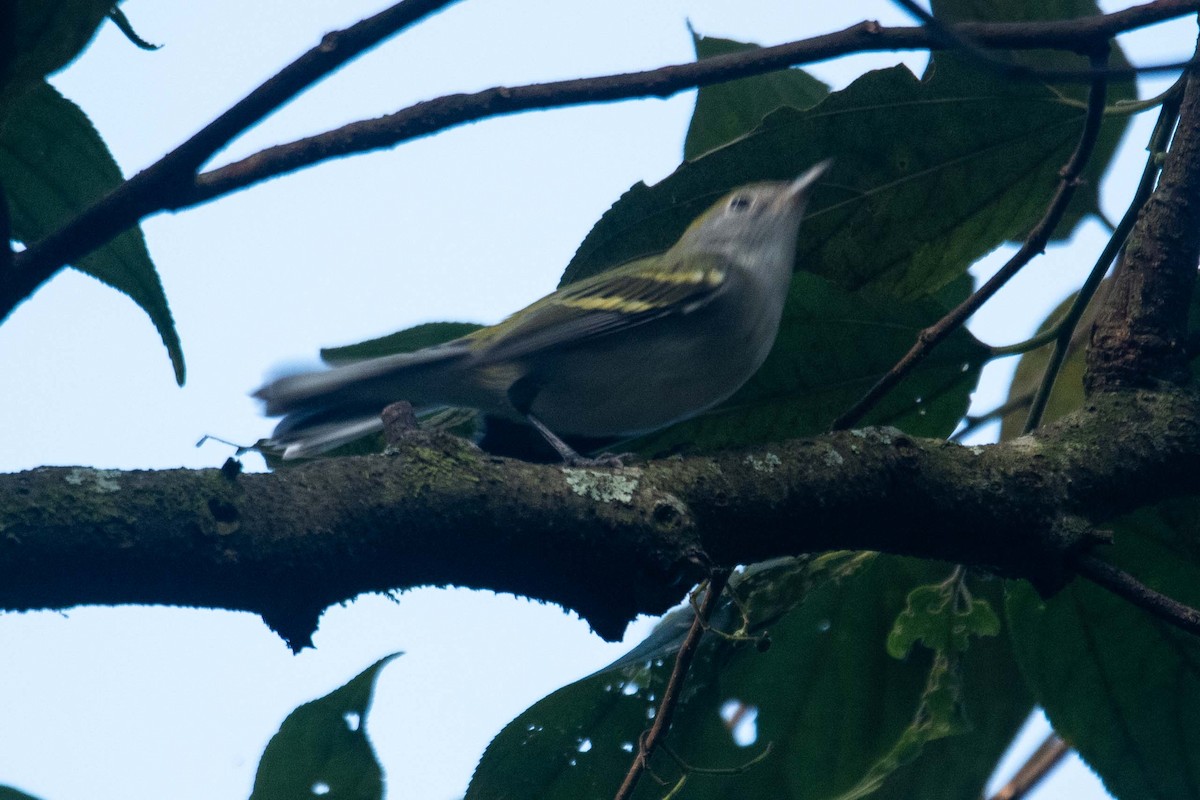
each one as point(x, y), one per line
point(39, 37)
point(1087, 197)
point(928, 176)
point(405, 341)
point(1120, 685)
point(832, 346)
point(9, 793)
point(725, 111)
point(941, 618)
point(53, 164)
point(939, 715)
point(126, 27)
point(825, 695)
point(322, 750)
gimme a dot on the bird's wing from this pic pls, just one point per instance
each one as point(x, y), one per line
point(616, 300)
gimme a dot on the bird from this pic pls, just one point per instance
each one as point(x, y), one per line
point(624, 352)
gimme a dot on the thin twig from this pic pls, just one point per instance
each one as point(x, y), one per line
point(974, 423)
point(1048, 755)
point(670, 699)
point(1066, 328)
point(1032, 343)
point(951, 37)
point(1122, 584)
point(171, 183)
point(1034, 244)
point(155, 188)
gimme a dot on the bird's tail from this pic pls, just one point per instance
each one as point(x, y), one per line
point(325, 409)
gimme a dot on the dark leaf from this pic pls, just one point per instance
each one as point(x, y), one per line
point(53, 164)
point(725, 111)
point(322, 750)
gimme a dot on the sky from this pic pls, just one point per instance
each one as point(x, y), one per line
point(470, 224)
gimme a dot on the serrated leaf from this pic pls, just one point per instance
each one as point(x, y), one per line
point(1087, 198)
point(725, 111)
point(53, 165)
point(928, 176)
point(825, 694)
point(833, 345)
point(322, 750)
point(1117, 683)
point(38, 38)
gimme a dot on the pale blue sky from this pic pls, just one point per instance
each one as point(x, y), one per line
point(468, 225)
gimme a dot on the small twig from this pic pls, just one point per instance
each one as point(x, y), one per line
point(1034, 243)
point(738, 770)
point(1032, 343)
point(950, 37)
point(1066, 328)
point(1124, 585)
point(974, 423)
point(670, 699)
point(1048, 755)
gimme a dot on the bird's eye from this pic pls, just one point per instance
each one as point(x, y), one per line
point(739, 202)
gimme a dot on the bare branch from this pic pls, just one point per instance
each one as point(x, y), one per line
point(670, 700)
point(1034, 244)
point(1048, 755)
point(171, 183)
point(1124, 585)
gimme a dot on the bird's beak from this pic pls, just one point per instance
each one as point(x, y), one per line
point(799, 188)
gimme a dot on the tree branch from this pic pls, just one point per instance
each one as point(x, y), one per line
point(1067, 339)
point(171, 183)
point(1140, 334)
point(1122, 584)
point(670, 700)
point(607, 543)
point(1048, 755)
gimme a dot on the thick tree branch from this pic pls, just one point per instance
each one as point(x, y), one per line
point(1140, 334)
point(608, 544)
point(171, 183)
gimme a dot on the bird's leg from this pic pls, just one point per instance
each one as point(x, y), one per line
point(569, 456)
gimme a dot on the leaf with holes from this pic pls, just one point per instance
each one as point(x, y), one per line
point(322, 749)
point(825, 695)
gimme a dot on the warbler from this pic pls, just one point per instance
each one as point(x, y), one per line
point(625, 352)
